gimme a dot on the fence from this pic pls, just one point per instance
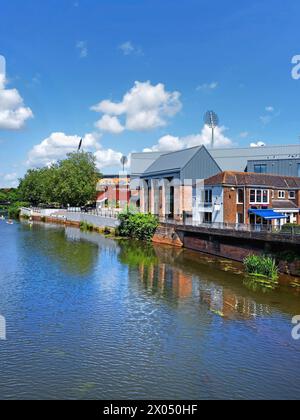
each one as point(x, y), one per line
point(285, 229)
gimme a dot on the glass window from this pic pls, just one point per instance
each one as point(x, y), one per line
point(258, 196)
point(265, 196)
point(207, 217)
point(292, 195)
point(240, 196)
point(208, 196)
point(240, 218)
point(281, 194)
point(260, 169)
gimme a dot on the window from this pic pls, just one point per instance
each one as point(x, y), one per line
point(240, 196)
point(260, 169)
point(207, 217)
point(281, 194)
point(259, 196)
point(292, 195)
point(208, 196)
point(240, 218)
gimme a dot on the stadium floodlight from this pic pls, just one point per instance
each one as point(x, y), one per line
point(211, 119)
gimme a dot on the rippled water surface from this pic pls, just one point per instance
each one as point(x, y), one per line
point(92, 318)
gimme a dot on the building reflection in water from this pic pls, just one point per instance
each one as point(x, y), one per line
point(165, 280)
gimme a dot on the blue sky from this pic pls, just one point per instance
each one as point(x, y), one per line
point(65, 56)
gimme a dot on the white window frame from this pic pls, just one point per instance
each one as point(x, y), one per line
point(237, 196)
point(281, 195)
point(262, 195)
point(208, 191)
point(292, 195)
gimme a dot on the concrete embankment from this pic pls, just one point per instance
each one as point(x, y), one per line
point(233, 245)
point(70, 218)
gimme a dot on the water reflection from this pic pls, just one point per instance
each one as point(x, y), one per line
point(221, 285)
point(97, 318)
point(74, 256)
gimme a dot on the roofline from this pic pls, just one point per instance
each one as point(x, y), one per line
point(274, 160)
point(257, 148)
point(252, 186)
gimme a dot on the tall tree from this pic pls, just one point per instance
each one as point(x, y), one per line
point(71, 181)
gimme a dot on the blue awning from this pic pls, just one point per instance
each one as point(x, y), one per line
point(268, 214)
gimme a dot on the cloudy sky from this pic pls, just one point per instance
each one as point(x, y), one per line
point(139, 75)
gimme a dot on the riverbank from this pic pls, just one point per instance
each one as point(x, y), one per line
point(234, 247)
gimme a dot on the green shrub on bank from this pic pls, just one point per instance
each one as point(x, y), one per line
point(14, 212)
point(261, 266)
point(137, 225)
point(86, 226)
point(289, 227)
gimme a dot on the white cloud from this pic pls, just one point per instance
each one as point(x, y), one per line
point(258, 144)
point(9, 180)
point(82, 48)
point(13, 113)
point(144, 107)
point(110, 124)
point(208, 86)
point(167, 144)
point(270, 109)
point(128, 48)
point(107, 158)
point(171, 143)
point(269, 117)
point(57, 146)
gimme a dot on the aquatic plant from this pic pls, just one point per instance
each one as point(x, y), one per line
point(261, 266)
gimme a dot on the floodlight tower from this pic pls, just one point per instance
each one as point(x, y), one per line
point(212, 121)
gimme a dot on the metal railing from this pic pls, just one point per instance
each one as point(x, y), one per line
point(284, 230)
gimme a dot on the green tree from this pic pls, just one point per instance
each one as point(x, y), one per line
point(71, 181)
point(77, 178)
point(32, 186)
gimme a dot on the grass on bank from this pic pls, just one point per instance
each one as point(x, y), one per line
point(261, 266)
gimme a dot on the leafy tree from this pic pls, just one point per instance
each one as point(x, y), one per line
point(32, 186)
point(77, 178)
point(69, 182)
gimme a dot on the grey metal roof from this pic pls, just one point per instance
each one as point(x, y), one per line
point(235, 159)
point(172, 162)
point(141, 161)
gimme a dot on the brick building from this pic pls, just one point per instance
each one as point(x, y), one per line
point(248, 198)
point(113, 191)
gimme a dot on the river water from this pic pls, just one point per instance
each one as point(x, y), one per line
point(89, 317)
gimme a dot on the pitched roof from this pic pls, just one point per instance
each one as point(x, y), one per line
point(172, 162)
point(284, 204)
point(252, 179)
point(140, 162)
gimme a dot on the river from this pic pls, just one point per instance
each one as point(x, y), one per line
point(89, 317)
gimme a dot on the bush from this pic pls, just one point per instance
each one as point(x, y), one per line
point(14, 212)
point(261, 266)
point(289, 227)
point(86, 226)
point(137, 225)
